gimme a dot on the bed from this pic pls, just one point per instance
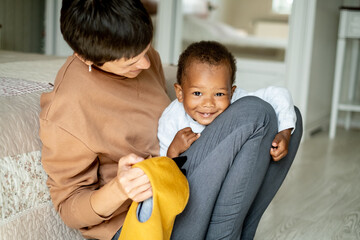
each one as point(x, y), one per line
point(26, 211)
point(198, 28)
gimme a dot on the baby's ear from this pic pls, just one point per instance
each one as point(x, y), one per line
point(179, 92)
point(233, 90)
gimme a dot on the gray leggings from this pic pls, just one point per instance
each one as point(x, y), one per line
point(231, 177)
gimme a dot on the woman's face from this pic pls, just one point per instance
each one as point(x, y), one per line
point(206, 91)
point(129, 68)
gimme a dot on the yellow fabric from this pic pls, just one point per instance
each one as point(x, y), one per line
point(170, 196)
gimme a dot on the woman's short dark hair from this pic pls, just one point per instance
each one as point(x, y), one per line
point(209, 52)
point(106, 30)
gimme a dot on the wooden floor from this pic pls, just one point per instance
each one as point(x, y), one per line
point(320, 198)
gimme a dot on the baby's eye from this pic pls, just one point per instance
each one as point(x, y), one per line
point(197, 93)
point(219, 94)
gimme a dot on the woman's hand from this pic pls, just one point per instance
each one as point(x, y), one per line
point(129, 183)
point(182, 141)
point(280, 144)
point(133, 182)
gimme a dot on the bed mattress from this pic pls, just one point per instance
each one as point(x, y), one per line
point(26, 211)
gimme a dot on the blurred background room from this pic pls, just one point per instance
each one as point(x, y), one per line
point(275, 42)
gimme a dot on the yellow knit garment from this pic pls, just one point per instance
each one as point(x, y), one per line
point(170, 195)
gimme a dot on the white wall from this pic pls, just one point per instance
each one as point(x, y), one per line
point(54, 42)
point(22, 25)
point(322, 63)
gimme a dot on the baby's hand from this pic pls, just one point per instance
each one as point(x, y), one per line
point(181, 142)
point(280, 144)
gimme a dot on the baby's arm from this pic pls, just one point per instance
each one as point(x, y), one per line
point(170, 122)
point(280, 99)
point(181, 142)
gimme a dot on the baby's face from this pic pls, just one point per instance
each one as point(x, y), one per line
point(206, 91)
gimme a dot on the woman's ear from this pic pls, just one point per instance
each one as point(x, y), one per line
point(179, 92)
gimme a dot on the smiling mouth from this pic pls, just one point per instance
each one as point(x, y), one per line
point(206, 115)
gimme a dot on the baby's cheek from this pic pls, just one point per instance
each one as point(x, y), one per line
point(225, 106)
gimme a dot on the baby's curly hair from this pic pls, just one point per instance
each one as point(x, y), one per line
point(210, 52)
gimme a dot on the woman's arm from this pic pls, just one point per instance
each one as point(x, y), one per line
point(72, 170)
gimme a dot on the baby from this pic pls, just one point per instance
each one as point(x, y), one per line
point(204, 89)
point(206, 74)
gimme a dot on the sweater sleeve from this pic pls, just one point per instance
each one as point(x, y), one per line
point(72, 175)
point(280, 99)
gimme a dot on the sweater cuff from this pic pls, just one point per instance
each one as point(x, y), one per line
point(82, 209)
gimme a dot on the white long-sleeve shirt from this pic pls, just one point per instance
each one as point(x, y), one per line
point(174, 117)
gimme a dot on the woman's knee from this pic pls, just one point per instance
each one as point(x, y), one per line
point(299, 124)
point(252, 106)
point(297, 134)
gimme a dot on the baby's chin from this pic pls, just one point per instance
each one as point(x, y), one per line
point(204, 122)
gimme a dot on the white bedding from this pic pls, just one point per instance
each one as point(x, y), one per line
point(26, 211)
point(197, 29)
